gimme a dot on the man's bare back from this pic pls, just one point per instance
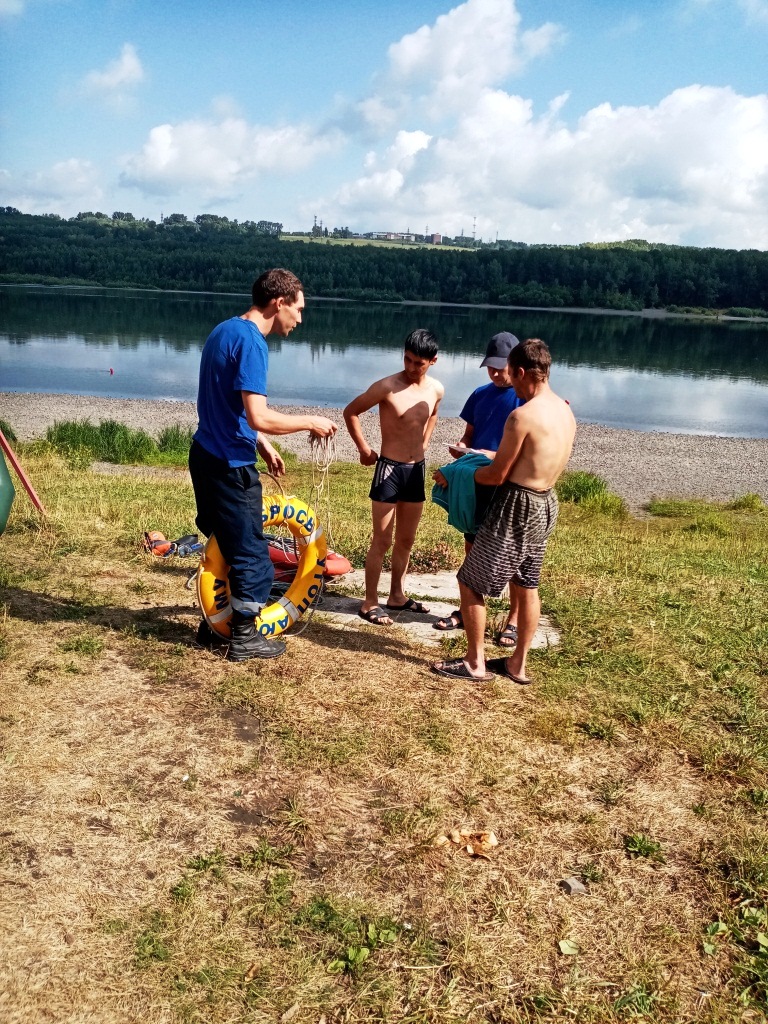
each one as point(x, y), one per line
point(547, 427)
point(537, 440)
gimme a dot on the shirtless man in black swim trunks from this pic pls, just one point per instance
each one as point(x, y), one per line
point(407, 403)
point(510, 544)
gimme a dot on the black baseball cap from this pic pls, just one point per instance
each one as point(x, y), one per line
point(498, 350)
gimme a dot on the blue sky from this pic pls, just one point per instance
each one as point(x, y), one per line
point(537, 120)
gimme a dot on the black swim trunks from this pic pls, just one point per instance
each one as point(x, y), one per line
point(511, 541)
point(398, 481)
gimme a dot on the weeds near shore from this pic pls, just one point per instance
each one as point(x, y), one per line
point(591, 493)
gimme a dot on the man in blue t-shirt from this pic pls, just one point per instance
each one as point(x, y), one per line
point(485, 413)
point(232, 411)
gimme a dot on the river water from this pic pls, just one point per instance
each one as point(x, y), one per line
point(664, 374)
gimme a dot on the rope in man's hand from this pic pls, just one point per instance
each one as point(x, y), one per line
point(323, 451)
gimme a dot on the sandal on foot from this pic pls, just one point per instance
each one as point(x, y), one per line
point(508, 636)
point(452, 621)
point(409, 606)
point(457, 669)
point(376, 616)
point(499, 667)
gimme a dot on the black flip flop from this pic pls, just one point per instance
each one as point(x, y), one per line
point(376, 616)
point(409, 606)
point(508, 633)
point(456, 669)
point(499, 667)
point(452, 621)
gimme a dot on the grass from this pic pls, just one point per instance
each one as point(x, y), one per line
point(8, 431)
point(81, 442)
point(591, 493)
point(200, 841)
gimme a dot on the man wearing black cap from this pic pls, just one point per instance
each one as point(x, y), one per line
point(485, 412)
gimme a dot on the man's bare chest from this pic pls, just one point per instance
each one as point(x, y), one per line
point(409, 408)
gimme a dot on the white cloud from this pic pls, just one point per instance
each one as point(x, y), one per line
point(11, 8)
point(115, 82)
point(693, 168)
point(447, 140)
point(755, 10)
point(219, 158)
point(476, 45)
point(65, 188)
point(442, 66)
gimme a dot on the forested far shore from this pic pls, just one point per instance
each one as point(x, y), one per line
point(213, 254)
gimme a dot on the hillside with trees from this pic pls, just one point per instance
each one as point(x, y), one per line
point(214, 254)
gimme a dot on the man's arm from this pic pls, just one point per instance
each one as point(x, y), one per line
point(354, 411)
point(509, 451)
point(272, 457)
point(261, 418)
point(429, 426)
point(465, 441)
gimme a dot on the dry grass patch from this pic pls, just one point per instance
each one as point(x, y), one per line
point(191, 840)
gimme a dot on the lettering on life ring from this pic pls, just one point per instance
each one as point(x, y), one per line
point(212, 579)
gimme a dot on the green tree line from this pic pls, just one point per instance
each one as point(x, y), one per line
point(214, 254)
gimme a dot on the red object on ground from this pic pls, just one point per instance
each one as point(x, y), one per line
point(21, 474)
point(156, 543)
point(284, 556)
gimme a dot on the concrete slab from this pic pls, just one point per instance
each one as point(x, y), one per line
point(438, 590)
point(421, 585)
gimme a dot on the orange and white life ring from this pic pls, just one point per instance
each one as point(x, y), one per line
point(212, 579)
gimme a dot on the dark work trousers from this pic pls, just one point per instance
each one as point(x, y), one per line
point(229, 506)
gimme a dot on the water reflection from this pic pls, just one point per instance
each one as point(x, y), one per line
point(622, 371)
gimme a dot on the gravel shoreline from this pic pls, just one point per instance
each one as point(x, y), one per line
point(637, 465)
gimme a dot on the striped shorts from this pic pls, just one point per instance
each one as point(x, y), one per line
point(511, 541)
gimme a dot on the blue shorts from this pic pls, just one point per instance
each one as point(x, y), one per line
point(398, 481)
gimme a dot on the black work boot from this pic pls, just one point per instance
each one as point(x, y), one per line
point(206, 637)
point(247, 643)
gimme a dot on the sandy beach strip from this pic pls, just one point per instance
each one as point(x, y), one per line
point(637, 465)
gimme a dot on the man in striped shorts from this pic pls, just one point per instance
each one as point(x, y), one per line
point(510, 544)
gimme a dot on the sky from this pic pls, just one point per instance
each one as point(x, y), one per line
point(555, 121)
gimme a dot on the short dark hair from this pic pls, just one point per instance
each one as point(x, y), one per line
point(275, 284)
point(533, 356)
point(421, 343)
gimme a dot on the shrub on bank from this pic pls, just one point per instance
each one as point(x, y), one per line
point(83, 442)
point(8, 431)
point(745, 311)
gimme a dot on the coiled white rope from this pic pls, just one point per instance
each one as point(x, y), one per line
point(323, 451)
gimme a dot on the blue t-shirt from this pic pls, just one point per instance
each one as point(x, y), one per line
point(486, 410)
point(234, 359)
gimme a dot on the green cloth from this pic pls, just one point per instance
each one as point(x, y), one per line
point(458, 498)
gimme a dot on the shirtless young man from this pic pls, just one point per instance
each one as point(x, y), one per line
point(485, 413)
point(510, 544)
point(407, 404)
